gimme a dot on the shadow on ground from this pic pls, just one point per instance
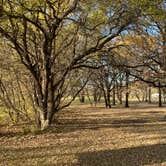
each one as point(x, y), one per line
point(134, 156)
point(80, 138)
point(131, 121)
point(137, 156)
point(94, 119)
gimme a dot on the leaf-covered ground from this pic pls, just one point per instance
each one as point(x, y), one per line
point(91, 136)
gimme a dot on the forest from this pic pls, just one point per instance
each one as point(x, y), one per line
point(83, 82)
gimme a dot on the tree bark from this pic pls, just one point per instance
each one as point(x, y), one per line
point(127, 89)
point(160, 95)
point(108, 99)
point(82, 97)
point(113, 97)
point(105, 99)
point(149, 95)
point(119, 93)
point(146, 95)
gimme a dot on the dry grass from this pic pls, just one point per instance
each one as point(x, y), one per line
point(86, 136)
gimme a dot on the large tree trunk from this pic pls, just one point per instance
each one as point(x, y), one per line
point(46, 108)
point(43, 121)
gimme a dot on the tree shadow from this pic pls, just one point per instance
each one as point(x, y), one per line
point(132, 156)
point(145, 120)
point(11, 134)
point(137, 156)
point(129, 120)
point(128, 126)
point(34, 155)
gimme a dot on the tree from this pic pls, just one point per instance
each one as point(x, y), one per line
point(53, 38)
point(104, 78)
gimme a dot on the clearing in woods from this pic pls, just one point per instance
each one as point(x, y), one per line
point(91, 136)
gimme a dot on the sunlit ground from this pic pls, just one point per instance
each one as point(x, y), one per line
point(91, 136)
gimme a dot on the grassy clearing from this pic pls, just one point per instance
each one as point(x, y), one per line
point(91, 136)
